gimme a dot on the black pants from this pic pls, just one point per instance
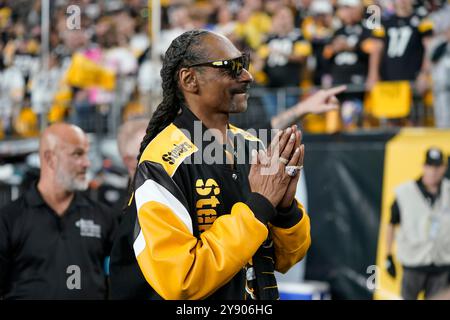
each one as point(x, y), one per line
point(414, 282)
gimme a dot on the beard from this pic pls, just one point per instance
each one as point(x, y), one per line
point(239, 103)
point(69, 182)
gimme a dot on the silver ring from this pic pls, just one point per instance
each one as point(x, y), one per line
point(283, 160)
point(291, 171)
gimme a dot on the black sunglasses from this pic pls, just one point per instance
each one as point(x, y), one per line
point(233, 66)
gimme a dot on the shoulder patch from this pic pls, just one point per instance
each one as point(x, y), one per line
point(379, 32)
point(169, 148)
point(425, 25)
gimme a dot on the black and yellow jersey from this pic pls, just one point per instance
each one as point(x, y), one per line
point(280, 70)
point(350, 66)
point(193, 227)
point(403, 47)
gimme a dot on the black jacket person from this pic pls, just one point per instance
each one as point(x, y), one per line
point(200, 228)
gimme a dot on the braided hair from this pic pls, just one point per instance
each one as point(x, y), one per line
point(184, 50)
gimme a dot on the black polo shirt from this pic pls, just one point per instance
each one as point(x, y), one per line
point(44, 256)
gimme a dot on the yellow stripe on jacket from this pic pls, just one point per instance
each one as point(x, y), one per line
point(291, 244)
point(178, 265)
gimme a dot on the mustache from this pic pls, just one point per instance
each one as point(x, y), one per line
point(81, 173)
point(241, 89)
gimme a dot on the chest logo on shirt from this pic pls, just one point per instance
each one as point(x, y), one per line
point(176, 152)
point(206, 203)
point(281, 49)
point(398, 41)
point(88, 228)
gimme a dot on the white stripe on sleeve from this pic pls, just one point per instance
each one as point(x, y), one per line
point(153, 191)
point(139, 244)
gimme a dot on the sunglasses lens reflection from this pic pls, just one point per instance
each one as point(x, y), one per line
point(239, 64)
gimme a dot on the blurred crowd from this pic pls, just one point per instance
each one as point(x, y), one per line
point(101, 70)
point(101, 73)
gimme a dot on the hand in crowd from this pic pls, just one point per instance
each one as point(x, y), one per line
point(422, 83)
point(268, 171)
point(371, 81)
point(322, 101)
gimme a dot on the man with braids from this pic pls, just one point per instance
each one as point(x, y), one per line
point(205, 229)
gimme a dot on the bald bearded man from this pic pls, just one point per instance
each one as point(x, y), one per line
point(54, 239)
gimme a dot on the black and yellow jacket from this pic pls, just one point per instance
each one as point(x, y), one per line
point(193, 227)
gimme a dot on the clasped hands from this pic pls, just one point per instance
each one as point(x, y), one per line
point(275, 172)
